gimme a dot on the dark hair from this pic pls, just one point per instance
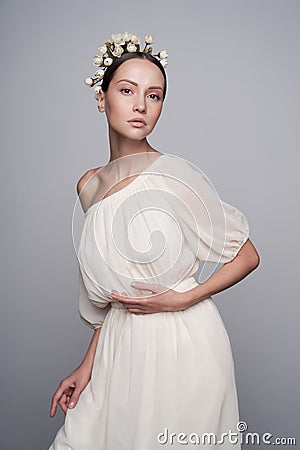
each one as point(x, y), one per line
point(109, 73)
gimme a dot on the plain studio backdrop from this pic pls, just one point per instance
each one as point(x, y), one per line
point(232, 109)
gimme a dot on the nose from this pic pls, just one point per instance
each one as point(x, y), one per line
point(139, 104)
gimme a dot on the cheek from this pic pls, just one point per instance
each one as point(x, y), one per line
point(155, 111)
point(115, 110)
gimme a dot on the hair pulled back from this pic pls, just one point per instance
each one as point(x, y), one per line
point(109, 73)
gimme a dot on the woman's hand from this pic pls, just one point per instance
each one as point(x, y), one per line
point(70, 388)
point(163, 299)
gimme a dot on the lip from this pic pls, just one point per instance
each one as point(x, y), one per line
point(137, 122)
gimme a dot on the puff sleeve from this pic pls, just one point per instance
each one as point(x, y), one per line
point(93, 316)
point(236, 233)
point(214, 230)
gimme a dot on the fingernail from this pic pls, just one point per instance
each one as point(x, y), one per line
point(71, 405)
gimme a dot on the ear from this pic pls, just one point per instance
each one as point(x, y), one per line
point(101, 101)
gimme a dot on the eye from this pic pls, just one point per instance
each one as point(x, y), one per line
point(155, 97)
point(126, 89)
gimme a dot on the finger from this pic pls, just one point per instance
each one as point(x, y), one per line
point(64, 386)
point(53, 409)
point(74, 398)
point(137, 311)
point(69, 391)
point(63, 403)
point(69, 395)
point(112, 294)
point(137, 302)
point(55, 400)
point(124, 298)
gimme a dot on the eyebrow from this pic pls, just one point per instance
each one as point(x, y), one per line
point(135, 84)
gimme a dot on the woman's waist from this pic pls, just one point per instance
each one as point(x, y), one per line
point(184, 285)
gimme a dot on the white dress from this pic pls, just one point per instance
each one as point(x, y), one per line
point(162, 373)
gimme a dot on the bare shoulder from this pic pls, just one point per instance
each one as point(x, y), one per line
point(87, 187)
point(85, 177)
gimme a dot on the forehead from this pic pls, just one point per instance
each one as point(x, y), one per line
point(141, 71)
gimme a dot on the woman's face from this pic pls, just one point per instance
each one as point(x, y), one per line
point(135, 92)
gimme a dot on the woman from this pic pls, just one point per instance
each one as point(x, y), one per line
point(159, 369)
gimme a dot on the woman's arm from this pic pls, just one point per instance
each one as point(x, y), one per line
point(229, 274)
point(90, 354)
point(70, 388)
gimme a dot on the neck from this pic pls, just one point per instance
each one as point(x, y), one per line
point(120, 146)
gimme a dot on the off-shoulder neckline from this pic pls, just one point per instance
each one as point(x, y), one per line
point(136, 179)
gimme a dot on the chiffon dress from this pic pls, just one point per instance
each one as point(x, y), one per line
point(160, 380)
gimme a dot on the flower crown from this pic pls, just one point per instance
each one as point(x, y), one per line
point(114, 49)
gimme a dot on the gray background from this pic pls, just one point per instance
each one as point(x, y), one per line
point(232, 109)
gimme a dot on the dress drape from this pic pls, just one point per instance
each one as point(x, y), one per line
point(162, 373)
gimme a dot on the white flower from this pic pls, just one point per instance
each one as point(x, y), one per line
point(116, 38)
point(126, 36)
point(97, 90)
point(164, 62)
point(148, 39)
point(163, 54)
point(97, 60)
point(89, 82)
point(131, 48)
point(100, 73)
point(135, 39)
point(102, 49)
point(118, 50)
point(108, 61)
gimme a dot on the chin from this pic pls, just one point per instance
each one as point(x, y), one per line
point(136, 135)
